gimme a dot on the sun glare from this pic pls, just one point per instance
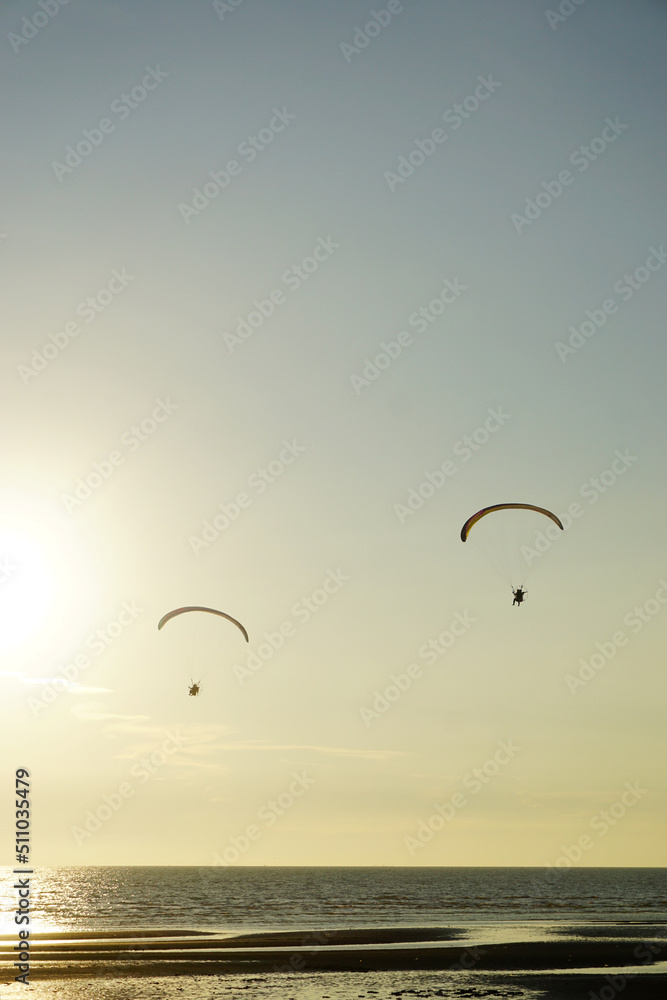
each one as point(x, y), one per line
point(47, 577)
point(27, 589)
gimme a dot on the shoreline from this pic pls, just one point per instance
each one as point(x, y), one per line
point(639, 949)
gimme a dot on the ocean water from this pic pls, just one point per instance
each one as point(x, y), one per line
point(80, 908)
point(266, 899)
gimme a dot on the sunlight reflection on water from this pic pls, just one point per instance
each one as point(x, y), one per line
point(236, 899)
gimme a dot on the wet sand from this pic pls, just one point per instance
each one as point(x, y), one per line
point(343, 986)
point(607, 949)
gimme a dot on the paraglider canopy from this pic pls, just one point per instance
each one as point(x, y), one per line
point(211, 611)
point(465, 530)
point(507, 539)
point(195, 644)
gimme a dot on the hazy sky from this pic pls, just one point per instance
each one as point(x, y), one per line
point(266, 267)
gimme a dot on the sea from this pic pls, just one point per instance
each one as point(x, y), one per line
point(78, 905)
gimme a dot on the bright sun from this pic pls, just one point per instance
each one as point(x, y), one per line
point(27, 589)
point(46, 577)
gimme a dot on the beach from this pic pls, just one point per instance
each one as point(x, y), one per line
point(558, 962)
point(184, 933)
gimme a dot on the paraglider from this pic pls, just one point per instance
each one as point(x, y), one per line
point(210, 611)
point(465, 530)
point(194, 687)
point(500, 540)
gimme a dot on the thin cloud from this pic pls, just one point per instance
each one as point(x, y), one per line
point(94, 713)
point(332, 751)
point(75, 688)
point(70, 687)
point(44, 680)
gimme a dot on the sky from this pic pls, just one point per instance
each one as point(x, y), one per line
point(289, 292)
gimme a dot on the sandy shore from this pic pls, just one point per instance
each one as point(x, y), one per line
point(153, 953)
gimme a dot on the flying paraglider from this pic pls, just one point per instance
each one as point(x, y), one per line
point(195, 686)
point(502, 549)
point(519, 598)
point(465, 530)
point(211, 611)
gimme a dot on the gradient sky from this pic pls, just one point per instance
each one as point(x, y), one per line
point(172, 277)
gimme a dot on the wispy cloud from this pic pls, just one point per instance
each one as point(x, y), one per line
point(75, 688)
point(331, 751)
point(205, 746)
point(94, 712)
point(71, 687)
point(42, 680)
